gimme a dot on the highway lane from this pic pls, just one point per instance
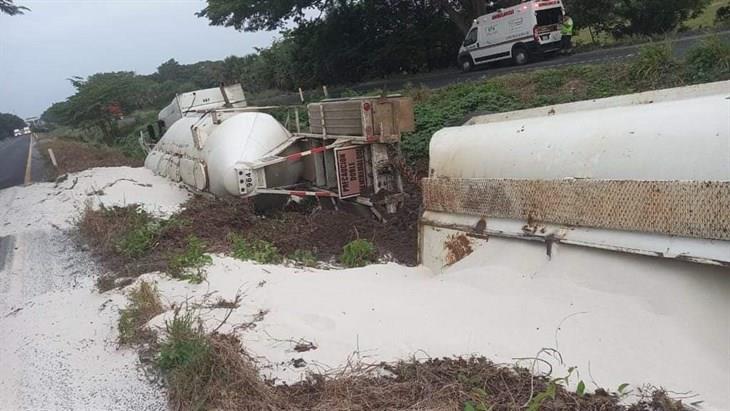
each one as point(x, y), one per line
point(14, 162)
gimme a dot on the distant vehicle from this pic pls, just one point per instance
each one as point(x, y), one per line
point(26, 130)
point(17, 132)
point(518, 33)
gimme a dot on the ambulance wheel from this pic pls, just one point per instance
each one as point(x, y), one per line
point(466, 64)
point(520, 56)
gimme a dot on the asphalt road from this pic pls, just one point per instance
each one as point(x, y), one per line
point(442, 78)
point(14, 160)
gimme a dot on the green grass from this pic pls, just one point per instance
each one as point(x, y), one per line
point(140, 236)
point(257, 250)
point(358, 253)
point(185, 345)
point(190, 264)
point(144, 304)
point(303, 257)
point(709, 62)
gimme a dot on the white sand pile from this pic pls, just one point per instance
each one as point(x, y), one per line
point(489, 304)
point(58, 346)
point(42, 206)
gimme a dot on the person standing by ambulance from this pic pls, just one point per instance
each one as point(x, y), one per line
point(567, 34)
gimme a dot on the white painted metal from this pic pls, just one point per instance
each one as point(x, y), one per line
point(685, 139)
point(202, 100)
point(210, 162)
point(679, 134)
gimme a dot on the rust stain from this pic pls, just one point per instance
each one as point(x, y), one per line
point(457, 247)
point(481, 226)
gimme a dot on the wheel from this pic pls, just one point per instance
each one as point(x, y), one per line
point(466, 64)
point(520, 56)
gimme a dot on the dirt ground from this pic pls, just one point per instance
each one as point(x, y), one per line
point(313, 227)
point(73, 156)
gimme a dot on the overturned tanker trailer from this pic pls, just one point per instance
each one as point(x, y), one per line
point(645, 174)
point(624, 200)
point(213, 141)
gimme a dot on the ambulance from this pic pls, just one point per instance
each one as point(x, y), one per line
point(518, 33)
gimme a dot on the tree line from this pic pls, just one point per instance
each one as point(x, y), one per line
point(350, 41)
point(8, 123)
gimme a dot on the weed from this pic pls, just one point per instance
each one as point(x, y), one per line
point(190, 264)
point(140, 237)
point(257, 250)
point(550, 80)
point(185, 344)
point(304, 257)
point(709, 61)
point(144, 304)
point(655, 66)
point(209, 371)
point(358, 253)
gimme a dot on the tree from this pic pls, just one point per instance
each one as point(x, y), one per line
point(633, 17)
point(7, 7)
point(647, 17)
point(102, 98)
point(8, 123)
point(595, 15)
point(254, 15)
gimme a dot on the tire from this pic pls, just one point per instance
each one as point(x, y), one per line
point(466, 64)
point(520, 56)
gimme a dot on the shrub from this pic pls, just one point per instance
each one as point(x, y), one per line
point(655, 67)
point(709, 61)
point(185, 345)
point(210, 371)
point(260, 251)
point(190, 264)
point(144, 304)
point(304, 257)
point(358, 253)
point(140, 237)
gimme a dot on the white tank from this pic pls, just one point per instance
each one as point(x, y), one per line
point(687, 139)
point(209, 165)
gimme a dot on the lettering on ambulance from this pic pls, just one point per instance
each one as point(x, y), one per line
point(503, 14)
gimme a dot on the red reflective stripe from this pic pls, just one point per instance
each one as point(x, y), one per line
point(323, 194)
point(294, 157)
point(298, 193)
point(318, 149)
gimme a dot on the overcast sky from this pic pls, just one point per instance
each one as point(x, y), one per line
point(58, 39)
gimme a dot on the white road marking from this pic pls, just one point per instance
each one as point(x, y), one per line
point(30, 156)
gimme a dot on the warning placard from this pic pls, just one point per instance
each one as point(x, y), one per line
point(351, 171)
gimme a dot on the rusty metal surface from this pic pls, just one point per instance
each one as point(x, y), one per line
point(681, 208)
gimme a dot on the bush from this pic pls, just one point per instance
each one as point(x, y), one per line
point(710, 61)
point(185, 345)
point(253, 249)
point(304, 257)
point(144, 304)
point(141, 235)
point(655, 67)
point(209, 372)
point(190, 264)
point(722, 15)
point(358, 253)
point(452, 107)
